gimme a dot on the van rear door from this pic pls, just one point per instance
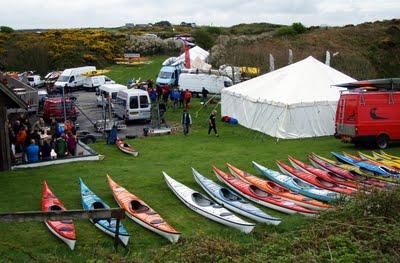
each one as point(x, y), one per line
point(347, 115)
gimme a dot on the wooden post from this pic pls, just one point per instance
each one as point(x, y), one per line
point(116, 240)
point(5, 148)
point(117, 213)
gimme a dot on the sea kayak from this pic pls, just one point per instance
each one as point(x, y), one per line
point(126, 148)
point(296, 185)
point(275, 189)
point(365, 165)
point(90, 201)
point(137, 210)
point(319, 162)
point(313, 179)
point(232, 201)
point(331, 178)
point(204, 206)
point(379, 160)
point(255, 194)
point(65, 229)
point(358, 171)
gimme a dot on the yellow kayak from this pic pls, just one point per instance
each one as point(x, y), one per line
point(388, 156)
point(379, 160)
point(93, 73)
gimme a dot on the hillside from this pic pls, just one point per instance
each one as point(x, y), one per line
point(368, 50)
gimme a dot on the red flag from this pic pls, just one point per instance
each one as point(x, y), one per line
point(187, 56)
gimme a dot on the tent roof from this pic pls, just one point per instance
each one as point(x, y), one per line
point(195, 52)
point(306, 81)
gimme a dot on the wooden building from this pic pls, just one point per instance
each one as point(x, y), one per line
point(8, 100)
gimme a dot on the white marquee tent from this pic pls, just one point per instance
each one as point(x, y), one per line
point(296, 101)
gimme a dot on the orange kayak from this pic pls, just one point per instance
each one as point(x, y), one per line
point(278, 190)
point(65, 229)
point(137, 210)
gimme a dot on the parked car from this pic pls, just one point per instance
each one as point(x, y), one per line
point(54, 108)
point(91, 83)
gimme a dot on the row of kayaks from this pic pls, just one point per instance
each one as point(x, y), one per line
point(298, 188)
point(135, 209)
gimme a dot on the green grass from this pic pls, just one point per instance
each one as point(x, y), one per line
point(122, 73)
point(175, 154)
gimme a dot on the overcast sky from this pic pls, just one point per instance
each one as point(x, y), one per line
point(21, 14)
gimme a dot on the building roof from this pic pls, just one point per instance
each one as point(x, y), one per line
point(13, 101)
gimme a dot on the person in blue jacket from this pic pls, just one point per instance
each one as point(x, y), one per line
point(32, 152)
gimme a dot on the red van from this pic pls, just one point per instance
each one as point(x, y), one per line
point(368, 115)
point(54, 108)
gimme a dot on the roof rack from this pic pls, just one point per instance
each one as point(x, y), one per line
point(389, 84)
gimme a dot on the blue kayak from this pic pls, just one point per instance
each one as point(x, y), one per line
point(296, 185)
point(232, 201)
point(364, 165)
point(90, 201)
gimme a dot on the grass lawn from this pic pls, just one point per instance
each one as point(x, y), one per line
point(175, 154)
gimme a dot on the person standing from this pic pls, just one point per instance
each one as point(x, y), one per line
point(212, 123)
point(186, 122)
point(71, 143)
point(45, 151)
point(187, 96)
point(61, 148)
point(204, 93)
point(32, 152)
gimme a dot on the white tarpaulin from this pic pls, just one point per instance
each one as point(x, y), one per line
point(194, 52)
point(296, 101)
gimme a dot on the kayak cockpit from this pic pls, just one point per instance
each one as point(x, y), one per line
point(138, 207)
point(55, 208)
point(258, 191)
point(201, 200)
point(227, 194)
point(98, 205)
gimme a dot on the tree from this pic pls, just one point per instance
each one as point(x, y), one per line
point(6, 29)
point(163, 24)
point(299, 28)
point(203, 38)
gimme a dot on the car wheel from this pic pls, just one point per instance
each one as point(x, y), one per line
point(382, 141)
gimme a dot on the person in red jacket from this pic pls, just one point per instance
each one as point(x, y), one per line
point(186, 97)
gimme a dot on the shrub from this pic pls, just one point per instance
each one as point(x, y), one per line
point(299, 28)
point(203, 38)
point(6, 29)
point(285, 31)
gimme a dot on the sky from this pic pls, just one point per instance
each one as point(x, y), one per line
point(26, 14)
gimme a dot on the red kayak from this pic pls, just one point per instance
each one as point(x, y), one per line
point(313, 179)
point(346, 174)
point(278, 190)
point(256, 194)
point(332, 178)
point(65, 230)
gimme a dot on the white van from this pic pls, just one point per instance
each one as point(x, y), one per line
point(195, 82)
point(107, 91)
point(35, 81)
point(72, 78)
point(133, 104)
point(91, 83)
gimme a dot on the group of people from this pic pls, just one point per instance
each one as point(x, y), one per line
point(36, 142)
point(180, 98)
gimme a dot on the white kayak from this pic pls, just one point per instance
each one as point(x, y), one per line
point(232, 201)
point(206, 207)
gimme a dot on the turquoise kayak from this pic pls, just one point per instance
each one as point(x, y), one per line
point(90, 201)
